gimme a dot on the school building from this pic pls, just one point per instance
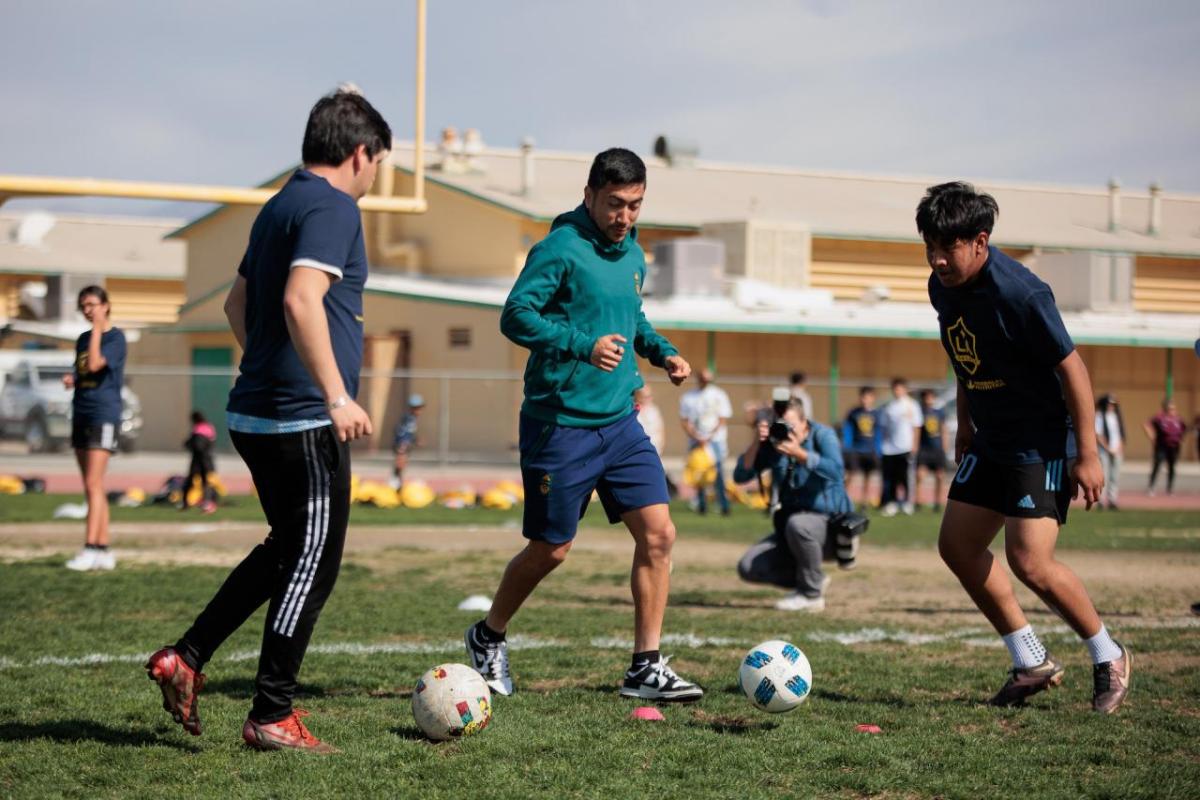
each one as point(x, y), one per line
point(821, 272)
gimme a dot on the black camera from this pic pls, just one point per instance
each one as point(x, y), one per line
point(779, 432)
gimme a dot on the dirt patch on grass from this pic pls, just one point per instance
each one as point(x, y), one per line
point(892, 587)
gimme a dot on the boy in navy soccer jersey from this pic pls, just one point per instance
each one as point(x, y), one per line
point(1026, 442)
point(296, 310)
point(860, 441)
point(931, 455)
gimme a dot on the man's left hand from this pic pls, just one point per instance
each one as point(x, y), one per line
point(678, 370)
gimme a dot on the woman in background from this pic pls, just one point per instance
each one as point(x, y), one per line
point(1110, 435)
point(96, 419)
point(200, 444)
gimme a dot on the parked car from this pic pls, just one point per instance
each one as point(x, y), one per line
point(36, 407)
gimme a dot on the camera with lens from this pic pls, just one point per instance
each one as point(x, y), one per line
point(779, 432)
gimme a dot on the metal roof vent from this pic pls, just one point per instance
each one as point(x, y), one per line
point(676, 152)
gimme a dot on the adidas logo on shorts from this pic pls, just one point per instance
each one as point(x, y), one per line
point(1025, 502)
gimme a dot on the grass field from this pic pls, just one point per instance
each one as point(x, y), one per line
point(899, 647)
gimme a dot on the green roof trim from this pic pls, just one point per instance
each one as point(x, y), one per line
point(221, 207)
point(209, 327)
point(204, 298)
point(799, 329)
point(424, 298)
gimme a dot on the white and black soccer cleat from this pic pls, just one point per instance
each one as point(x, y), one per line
point(490, 659)
point(657, 681)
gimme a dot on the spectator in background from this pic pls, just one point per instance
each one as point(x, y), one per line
point(931, 455)
point(1110, 435)
point(651, 418)
point(900, 426)
point(860, 441)
point(96, 418)
point(405, 439)
point(1166, 430)
point(199, 445)
point(800, 392)
point(704, 414)
point(1196, 430)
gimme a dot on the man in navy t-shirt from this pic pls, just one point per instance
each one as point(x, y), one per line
point(1026, 442)
point(296, 310)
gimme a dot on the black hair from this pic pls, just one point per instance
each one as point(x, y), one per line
point(798, 377)
point(951, 212)
point(338, 124)
point(617, 166)
point(197, 418)
point(866, 389)
point(91, 291)
point(899, 382)
point(928, 393)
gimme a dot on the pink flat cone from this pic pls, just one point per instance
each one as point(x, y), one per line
point(647, 712)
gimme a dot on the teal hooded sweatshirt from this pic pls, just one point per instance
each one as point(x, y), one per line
point(579, 285)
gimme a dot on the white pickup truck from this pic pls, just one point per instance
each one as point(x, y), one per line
point(36, 407)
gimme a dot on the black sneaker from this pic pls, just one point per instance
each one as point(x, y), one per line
point(657, 681)
point(490, 659)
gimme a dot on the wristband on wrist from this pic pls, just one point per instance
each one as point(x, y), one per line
point(341, 402)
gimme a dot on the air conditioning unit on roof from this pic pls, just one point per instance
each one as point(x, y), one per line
point(778, 253)
point(1088, 281)
point(690, 267)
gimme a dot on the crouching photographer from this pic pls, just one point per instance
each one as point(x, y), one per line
point(814, 521)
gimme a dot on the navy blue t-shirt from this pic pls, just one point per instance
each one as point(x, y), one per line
point(1004, 337)
point(933, 421)
point(860, 431)
point(308, 224)
point(98, 394)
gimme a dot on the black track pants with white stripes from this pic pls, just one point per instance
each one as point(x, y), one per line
point(303, 482)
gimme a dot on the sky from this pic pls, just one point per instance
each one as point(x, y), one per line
point(1067, 91)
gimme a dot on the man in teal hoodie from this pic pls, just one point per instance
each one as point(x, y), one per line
point(576, 306)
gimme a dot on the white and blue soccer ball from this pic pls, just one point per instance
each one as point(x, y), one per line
point(775, 676)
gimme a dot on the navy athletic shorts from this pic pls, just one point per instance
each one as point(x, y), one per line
point(1030, 491)
point(86, 435)
point(560, 467)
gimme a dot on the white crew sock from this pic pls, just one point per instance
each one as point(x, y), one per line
point(1025, 647)
point(1102, 647)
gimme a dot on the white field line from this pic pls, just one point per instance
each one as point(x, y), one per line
point(974, 637)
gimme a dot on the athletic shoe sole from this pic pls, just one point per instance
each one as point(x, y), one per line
point(646, 693)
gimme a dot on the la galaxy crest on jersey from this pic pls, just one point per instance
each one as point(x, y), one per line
point(962, 344)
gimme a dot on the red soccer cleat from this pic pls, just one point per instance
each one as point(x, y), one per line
point(179, 684)
point(288, 732)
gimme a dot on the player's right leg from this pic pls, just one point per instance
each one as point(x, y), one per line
point(974, 515)
point(486, 640)
point(558, 478)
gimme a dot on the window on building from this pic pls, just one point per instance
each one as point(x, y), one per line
point(460, 338)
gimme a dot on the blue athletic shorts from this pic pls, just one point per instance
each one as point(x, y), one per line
point(560, 467)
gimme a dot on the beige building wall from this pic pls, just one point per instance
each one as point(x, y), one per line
point(216, 245)
point(459, 236)
point(465, 236)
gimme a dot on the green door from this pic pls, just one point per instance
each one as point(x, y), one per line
point(211, 392)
